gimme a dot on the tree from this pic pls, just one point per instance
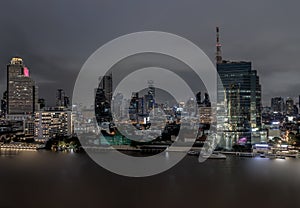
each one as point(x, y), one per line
point(277, 140)
point(297, 140)
point(291, 138)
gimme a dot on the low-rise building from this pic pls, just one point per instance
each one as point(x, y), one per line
point(51, 123)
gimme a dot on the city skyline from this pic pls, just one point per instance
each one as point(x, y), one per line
point(268, 39)
point(149, 103)
point(53, 101)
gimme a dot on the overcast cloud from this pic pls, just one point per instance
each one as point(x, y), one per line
point(56, 37)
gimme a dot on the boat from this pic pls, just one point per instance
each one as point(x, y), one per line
point(214, 156)
point(193, 153)
point(280, 157)
point(245, 154)
point(271, 156)
point(262, 155)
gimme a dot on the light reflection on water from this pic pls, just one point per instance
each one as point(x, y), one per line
point(48, 178)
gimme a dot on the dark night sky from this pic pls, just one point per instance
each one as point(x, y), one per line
point(56, 37)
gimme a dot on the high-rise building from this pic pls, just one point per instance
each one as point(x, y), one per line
point(151, 88)
point(21, 90)
point(62, 100)
point(42, 103)
point(205, 109)
point(107, 85)
point(4, 105)
point(117, 105)
point(66, 101)
point(295, 110)
point(103, 99)
point(277, 104)
point(150, 96)
point(242, 93)
point(60, 94)
point(239, 94)
point(289, 106)
point(138, 110)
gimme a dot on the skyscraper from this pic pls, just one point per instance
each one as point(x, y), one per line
point(107, 85)
point(243, 92)
point(61, 99)
point(277, 104)
point(60, 94)
point(117, 105)
point(42, 103)
point(4, 105)
point(103, 99)
point(289, 106)
point(205, 110)
point(240, 93)
point(21, 90)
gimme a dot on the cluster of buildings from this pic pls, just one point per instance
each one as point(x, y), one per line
point(286, 107)
point(239, 95)
point(243, 119)
point(140, 108)
point(281, 118)
point(24, 115)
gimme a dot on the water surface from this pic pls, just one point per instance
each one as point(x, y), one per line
point(47, 179)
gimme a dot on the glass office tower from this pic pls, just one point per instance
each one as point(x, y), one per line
point(242, 95)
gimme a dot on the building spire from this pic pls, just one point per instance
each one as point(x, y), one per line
point(218, 46)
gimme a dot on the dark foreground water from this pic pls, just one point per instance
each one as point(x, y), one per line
point(46, 179)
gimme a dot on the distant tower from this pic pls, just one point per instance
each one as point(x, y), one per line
point(218, 46)
point(289, 106)
point(277, 104)
point(150, 97)
point(4, 105)
point(206, 100)
point(42, 103)
point(21, 90)
point(67, 101)
point(106, 84)
point(103, 99)
point(60, 95)
point(61, 99)
point(198, 99)
point(151, 88)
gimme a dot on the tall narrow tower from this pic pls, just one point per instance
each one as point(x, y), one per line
point(218, 46)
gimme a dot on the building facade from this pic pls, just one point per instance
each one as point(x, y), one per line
point(242, 95)
point(52, 123)
point(277, 104)
point(22, 94)
point(239, 100)
point(61, 99)
point(103, 99)
point(289, 106)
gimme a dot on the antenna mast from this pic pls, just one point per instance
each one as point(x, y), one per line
point(218, 46)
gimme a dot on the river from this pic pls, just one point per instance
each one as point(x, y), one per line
point(48, 179)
